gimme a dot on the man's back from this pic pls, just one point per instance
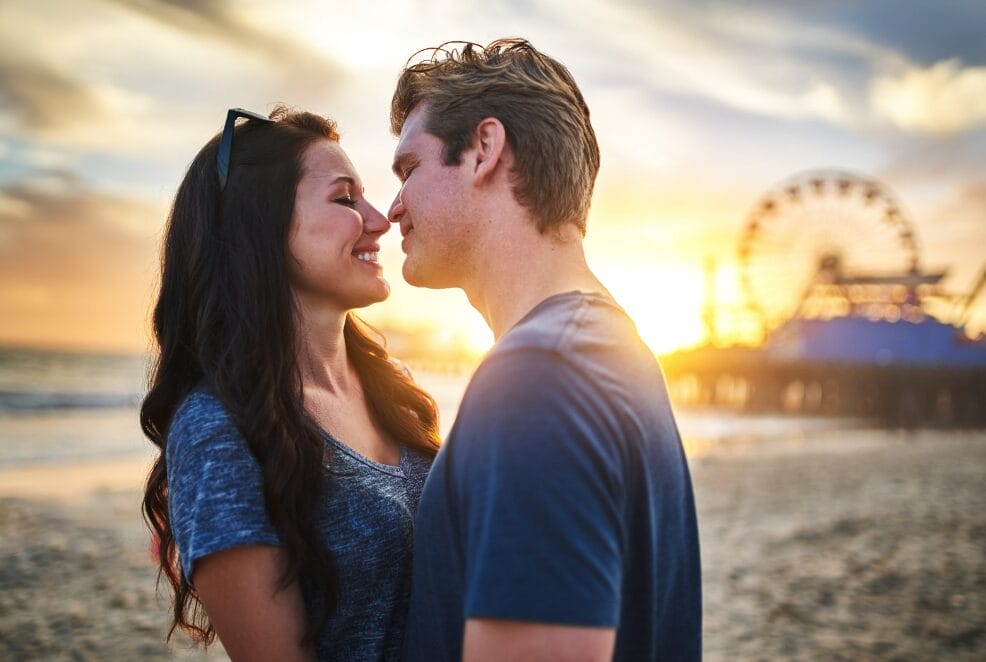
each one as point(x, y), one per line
point(562, 495)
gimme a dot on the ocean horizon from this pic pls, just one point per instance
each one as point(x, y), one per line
point(60, 406)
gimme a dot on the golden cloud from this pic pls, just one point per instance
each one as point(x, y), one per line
point(77, 268)
point(944, 98)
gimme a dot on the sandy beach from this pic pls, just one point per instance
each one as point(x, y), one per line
point(76, 579)
point(846, 545)
point(832, 545)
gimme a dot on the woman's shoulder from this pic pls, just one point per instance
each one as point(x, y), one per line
point(201, 407)
point(202, 420)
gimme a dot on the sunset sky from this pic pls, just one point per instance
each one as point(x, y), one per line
point(699, 107)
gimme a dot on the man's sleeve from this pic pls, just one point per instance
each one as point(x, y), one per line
point(536, 471)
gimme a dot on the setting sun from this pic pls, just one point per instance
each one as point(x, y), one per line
point(665, 302)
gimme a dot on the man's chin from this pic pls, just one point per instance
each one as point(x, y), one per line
point(418, 277)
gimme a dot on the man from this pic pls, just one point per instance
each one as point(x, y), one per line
point(558, 520)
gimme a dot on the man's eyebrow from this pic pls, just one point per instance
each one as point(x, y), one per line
point(400, 162)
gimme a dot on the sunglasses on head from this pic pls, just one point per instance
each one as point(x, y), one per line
point(226, 142)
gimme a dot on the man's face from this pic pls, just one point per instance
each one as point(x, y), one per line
point(432, 208)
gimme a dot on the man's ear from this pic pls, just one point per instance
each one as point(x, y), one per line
point(489, 141)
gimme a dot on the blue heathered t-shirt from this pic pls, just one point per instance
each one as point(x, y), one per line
point(366, 520)
point(562, 494)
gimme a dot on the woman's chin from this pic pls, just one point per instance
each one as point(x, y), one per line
point(384, 291)
point(380, 292)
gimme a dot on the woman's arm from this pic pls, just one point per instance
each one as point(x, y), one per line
point(255, 621)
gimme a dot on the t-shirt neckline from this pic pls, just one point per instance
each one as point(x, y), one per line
point(399, 469)
point(544, 303)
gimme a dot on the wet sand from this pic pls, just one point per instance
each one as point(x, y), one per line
point(838, 544)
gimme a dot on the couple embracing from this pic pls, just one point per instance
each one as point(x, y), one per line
point(303, 503)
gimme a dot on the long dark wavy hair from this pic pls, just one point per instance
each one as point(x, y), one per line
point(226, 318)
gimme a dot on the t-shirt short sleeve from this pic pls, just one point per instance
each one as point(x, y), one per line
point(537, 483)
point(215, 484)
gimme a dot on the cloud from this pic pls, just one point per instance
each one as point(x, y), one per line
point(922, 159)
point(926, 31)
point(943, 98)
point(76, 266)
point(42, 97)
point(822, 99)
point(961, 220)
point(119, 67)
point(799, 62)
point(222, 20)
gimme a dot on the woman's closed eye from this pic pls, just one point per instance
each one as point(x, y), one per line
point(346, 200)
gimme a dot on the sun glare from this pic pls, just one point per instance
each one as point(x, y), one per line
point(479, 338)
point(664, 302)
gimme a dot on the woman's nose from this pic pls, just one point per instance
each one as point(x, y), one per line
point(373, 221)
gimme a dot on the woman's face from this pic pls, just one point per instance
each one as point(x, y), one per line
point(334, 233)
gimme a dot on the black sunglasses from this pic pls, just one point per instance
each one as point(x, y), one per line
point(226, 142)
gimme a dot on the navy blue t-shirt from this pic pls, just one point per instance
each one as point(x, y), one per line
point(366, 519)
point(562, 494)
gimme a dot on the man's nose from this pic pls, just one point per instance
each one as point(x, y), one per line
point(396, 210)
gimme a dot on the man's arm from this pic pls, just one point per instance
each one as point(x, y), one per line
point(491, 640)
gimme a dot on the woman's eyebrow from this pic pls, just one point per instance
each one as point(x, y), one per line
point(346, 179)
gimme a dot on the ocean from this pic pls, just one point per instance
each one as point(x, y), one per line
point(57, 407)
point(60, 407)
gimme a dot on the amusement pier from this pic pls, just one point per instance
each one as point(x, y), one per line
point(851, 322)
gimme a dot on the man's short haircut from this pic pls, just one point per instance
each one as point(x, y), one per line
point(556, 156)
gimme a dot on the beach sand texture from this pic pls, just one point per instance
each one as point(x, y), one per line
point(837, 545)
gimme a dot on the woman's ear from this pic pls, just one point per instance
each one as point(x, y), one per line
point(489, 142)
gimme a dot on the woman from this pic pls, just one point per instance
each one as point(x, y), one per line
point(293, 450)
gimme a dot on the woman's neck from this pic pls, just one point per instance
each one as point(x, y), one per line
point(322, 359)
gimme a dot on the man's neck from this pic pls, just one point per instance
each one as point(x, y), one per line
point(524, 271)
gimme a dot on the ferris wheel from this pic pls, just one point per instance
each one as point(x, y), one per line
point(815, 226)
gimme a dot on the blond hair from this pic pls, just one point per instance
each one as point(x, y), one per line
point(556, 157)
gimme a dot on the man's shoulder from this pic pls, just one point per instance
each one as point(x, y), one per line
point(565, 322)
point(580, 352)
point(535, 393)
point(590, 334)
